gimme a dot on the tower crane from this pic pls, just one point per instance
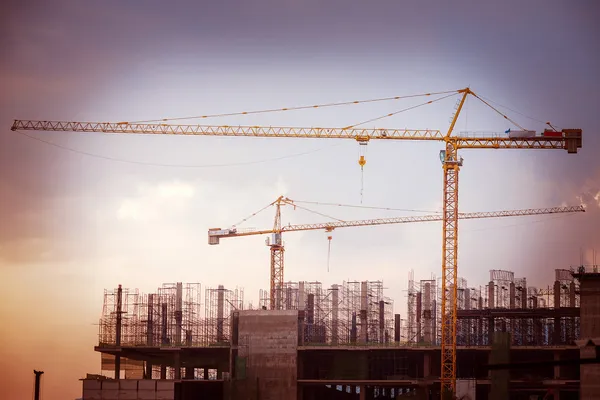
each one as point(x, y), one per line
point(276, 245)
point(566, 139)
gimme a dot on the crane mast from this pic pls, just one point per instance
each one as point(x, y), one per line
point(277, 250)
point(566, 139)
point(451, 165)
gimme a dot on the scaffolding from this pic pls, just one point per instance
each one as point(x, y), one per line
point(290, 296)
point(169, 317)
point(427, 324)
point(316, 312)
point(220, 303)
point(264, 299)
point(119, 322)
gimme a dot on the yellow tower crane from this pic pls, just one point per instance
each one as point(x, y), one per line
point(566, 139)
point(276, 245)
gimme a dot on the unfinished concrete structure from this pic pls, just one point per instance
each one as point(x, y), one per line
point(345, 341)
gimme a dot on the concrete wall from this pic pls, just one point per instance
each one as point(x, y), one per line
point(590, 334)
point(128, 389)
point(269, 340)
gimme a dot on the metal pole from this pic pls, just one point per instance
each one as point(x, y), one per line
point(38, 375)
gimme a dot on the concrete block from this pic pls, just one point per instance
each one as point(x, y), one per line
point(128, 384)
point(128, 394)
point(146, 395)
point(165, 395)
point(110, 395)
point(92, 384)
point(110, 385)
point(165, 385)
point(147, 384)
point(92, 394)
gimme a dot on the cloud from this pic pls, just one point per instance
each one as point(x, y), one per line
point(154, 201)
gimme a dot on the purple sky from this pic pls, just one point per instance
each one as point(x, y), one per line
point(74, 224)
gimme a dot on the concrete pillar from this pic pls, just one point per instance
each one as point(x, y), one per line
point(556, 367)
point(427, 313)
point(148, 372)
point(524, 295)
point(363, 392)
point(150, 321)
point(301, 298)
point(163, 314)
point(467, 299)
point(178, 313)
point(419, 312)
point(426, 365)
point(163, 339)
point(397, 328)
point(310, 310)
point(512, 294)
point(220, 314)
point(381, 321)
point(189, 370)
point(433, 321)
point(353, 329)
point(491, 298)
point(557, 290)
point(288, 298)
point(500, 354)
point(363, 326)
point(334, 313)
point(177, 365)
point(556, 337)
point(118, 332)
point(301, 327)
point(364, 304)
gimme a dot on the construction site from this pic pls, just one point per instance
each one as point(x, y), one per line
point(501, 339)
point(345, 341)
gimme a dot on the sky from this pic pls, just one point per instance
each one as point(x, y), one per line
point(85, 212)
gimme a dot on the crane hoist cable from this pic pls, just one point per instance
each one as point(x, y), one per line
point(363, 143)
point(328, 250)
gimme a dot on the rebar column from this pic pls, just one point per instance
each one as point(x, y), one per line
point(164, 339)
point(118, 332)
point(334, 313)
point(220, 313)
point(419, 312)
point(189, 370)
point(178, 313)
point(150, 334)
point(381, 321)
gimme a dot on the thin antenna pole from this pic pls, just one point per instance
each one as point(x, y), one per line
point(38, 375)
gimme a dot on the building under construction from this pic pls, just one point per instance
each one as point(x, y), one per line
point(346, 342)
